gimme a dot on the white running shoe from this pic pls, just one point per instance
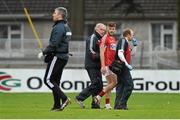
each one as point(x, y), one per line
point(108, 106)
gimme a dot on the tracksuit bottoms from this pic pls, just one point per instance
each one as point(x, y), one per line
point(52, 80)
point(124, 88)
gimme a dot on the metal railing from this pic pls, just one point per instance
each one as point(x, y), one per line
point(167, 59)
point(26, 55)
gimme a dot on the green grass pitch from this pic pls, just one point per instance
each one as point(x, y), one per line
point(37, 106)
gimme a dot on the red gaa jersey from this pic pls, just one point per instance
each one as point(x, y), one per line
point(110, 44)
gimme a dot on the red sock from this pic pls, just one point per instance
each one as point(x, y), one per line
point(107, 100)
point(101, 93)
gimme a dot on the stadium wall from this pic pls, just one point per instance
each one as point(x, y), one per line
point(74, 80)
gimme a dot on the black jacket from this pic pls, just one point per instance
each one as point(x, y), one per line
point(59, 40)
point(92, 55)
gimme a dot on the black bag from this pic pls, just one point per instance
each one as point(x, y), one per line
point(48, 58)
point(116, 66)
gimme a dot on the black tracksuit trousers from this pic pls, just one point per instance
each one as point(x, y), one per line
point(124, 88)
point(95, 87)
point(52, 79)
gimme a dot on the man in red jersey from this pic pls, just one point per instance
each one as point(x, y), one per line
point(107, 53)
point(125, 85)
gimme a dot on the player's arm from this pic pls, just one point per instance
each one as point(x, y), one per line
point(121, 48)
point(121, 56)
point(102, 50)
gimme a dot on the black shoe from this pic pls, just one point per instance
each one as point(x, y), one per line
point(95, 107)
point(81, 103)
point(55, 109)
point(121, 107)
point(65, 103)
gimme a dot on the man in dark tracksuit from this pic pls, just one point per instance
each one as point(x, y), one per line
point(125, 84)
point(93, 66)
point(56, 56)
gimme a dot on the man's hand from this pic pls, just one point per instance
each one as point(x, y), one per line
point(134, 42)
point(103, 70)
point(129, 66)
point(40, 55)
point(93, 56)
